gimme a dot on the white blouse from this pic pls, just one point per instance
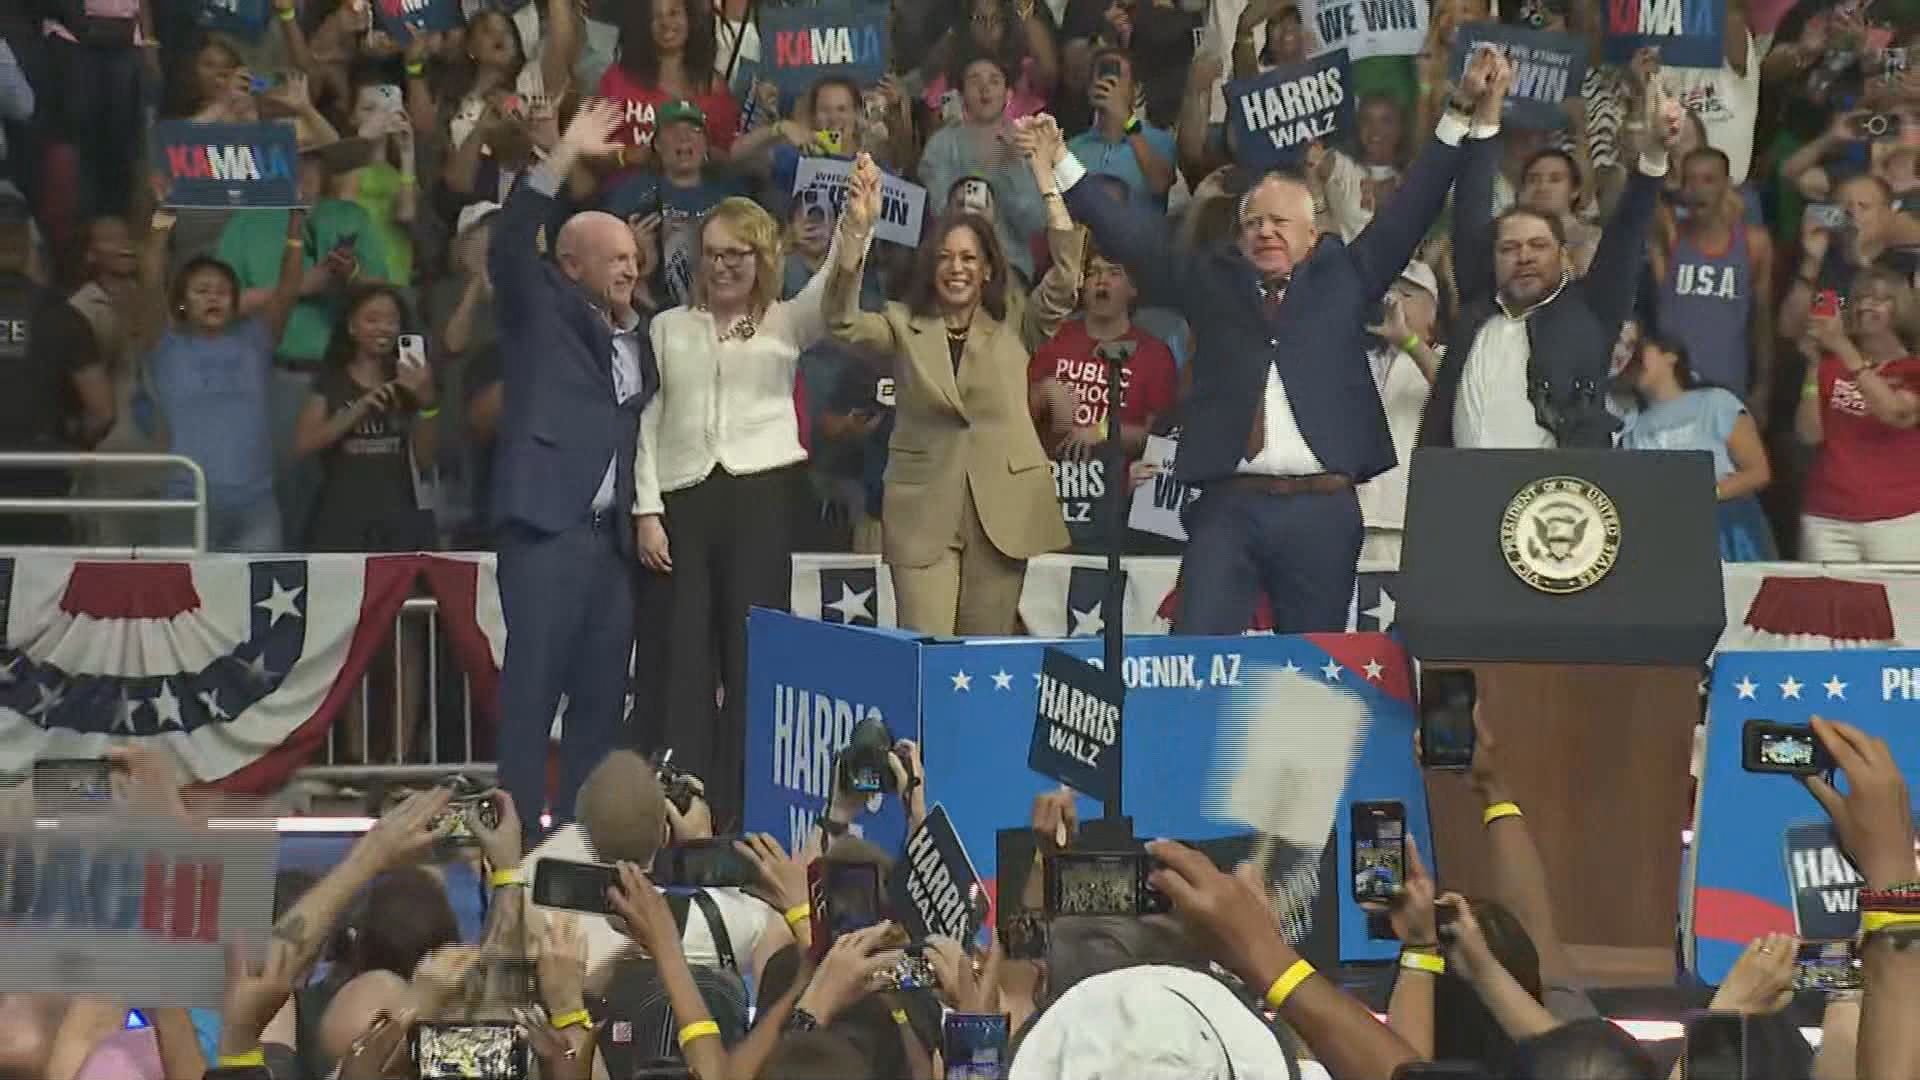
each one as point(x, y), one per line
point(726, 403)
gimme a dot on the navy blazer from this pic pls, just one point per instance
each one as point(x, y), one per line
point(1570, 338)
point(1317, 338)
point(561, 423)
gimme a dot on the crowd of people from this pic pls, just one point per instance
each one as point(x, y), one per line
point(366, 975)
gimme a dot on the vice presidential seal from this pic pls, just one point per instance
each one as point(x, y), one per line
point(1560, 534)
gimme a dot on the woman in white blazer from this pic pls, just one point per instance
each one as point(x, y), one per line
point(713, 475)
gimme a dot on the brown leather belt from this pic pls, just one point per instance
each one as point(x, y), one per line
point(1317, 484)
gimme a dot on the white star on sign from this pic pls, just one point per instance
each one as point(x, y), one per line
point(962, 681)
point(1087, 623)
point(124, 712)
point(1746, 686)
point(1290, 668)
point(166, 704)
point(210, 701)
point(1835, 688)
point(1374, 669)
point(282, 601)
point(1332, 670)
point(1002, 680)
point(50, 699)
point(257, 668)
point(1383, 611)
point(852, 605)
point(1791, 688)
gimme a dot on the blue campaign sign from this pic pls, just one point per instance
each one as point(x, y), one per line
point(801, 45)
point(1076, 726)
point(808, 684)
point(1763, 857)
point(401, 19)
point(1276, 115)
point(227, 166)
point(980, 702)
point(244, 19)
point(1688, 33)
point(1547, 69)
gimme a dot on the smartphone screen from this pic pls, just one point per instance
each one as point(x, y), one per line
point(72, 778)
point(1379, 851)
point(1827, 966)
point(713, 863)
point(1086, 883)
point(412, 350)
point(852, 897)
point(469, 1052)
point(1826, 304)
point(1768, 746)
point(974, 1046)
point(576, 886)
point(1446, 717)
point(1716, 1046)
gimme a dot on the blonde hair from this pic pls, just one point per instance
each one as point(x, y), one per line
point(1906, 306)
point(754, 225)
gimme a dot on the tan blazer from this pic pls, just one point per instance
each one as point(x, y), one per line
point(974, 432)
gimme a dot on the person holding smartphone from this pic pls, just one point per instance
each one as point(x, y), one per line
point(1860, 409)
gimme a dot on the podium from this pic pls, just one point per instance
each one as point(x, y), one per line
point(1584, 589)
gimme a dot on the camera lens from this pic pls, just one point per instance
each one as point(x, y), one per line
point(1876, 124)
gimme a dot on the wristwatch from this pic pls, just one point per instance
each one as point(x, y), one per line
point(831, 827)
point(802, 1020)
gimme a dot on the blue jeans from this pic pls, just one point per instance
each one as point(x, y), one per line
point(251, 526)
point(1302, 549)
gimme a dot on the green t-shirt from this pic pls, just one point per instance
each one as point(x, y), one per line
point(376, 186)
point(254, 241)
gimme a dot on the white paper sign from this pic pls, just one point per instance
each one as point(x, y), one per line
point(1158, 502)
point(902, 203)
point(1366, 27)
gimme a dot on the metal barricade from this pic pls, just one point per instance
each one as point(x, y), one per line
point(77, 506)
point(411, 717)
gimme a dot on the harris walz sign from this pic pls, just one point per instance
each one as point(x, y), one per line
point(228, 166)
point(1277, 115)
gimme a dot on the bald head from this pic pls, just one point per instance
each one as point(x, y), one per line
point(596, 250)
point(1276, 224)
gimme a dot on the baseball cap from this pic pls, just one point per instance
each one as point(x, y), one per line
point(1422, 275)
point(678, 110)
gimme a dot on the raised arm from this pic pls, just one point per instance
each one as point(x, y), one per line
point(1615, 269)
point(513, 258)
point(1140, 240)
point(840, 292)
point(1472, 227)
point(1058, 292)
point(804, 320)
point(293, 275)
point(1383, 248)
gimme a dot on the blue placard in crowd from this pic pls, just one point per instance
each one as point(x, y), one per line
point(808, 684)
point(802, 45)
point(1547, 69)
point(934, 887)
point(227, 166)
point(244, 19)
point(401, 19)
point(1276, 115)
point(1076, 726)
point(1764, 857)
point(1688, 33)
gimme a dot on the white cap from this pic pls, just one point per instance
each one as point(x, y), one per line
point(473, 214)
point(1422, 275)
point(1149, 1023)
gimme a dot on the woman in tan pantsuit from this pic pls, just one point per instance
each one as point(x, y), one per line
point(969, 493)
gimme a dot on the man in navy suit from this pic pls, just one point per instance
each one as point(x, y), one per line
point(578, 369)
point(1283, 418)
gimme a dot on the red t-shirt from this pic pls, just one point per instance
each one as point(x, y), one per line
point(640, 102)
point(1865, 470)
point(1149, 382)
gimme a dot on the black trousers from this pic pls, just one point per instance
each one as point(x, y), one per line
point(730, 540)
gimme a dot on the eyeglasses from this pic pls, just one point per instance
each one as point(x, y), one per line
point(729, 256)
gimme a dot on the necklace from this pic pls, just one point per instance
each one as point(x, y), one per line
point(956, 333)
point(741, 329)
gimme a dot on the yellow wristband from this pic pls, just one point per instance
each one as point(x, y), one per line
point(500, 879)
point(900, 1017)
point(699, 1029)
point(1423, 961)
point(797, 915)
point(428, 414)
point(416, 70)
point(1289, 981)
point(287, 15)
point(1872, 922)
point(296, 243)
point(255, 1058)
point(1499, 810)
point(576, 1018)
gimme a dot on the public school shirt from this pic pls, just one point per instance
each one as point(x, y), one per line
point(1149, 381)
point(1865, 470)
